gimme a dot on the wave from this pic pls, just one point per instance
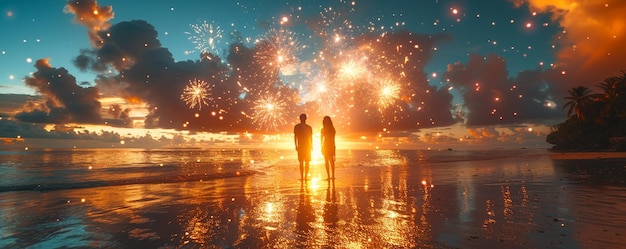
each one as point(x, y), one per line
point(106, 183)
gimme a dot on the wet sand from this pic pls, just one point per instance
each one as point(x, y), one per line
point(380, 199)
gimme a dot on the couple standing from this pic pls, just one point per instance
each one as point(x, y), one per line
point(303, 138)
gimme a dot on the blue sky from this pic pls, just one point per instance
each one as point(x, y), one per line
point(483, 66)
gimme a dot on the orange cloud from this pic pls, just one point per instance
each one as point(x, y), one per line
point(94, 17)
point(592, 42)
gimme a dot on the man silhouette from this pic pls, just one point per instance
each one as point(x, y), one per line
point(303, 139)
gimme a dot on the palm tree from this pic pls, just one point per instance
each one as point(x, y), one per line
point(577, 101)
point(612, 98)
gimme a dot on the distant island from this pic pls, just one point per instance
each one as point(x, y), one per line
point(596, 121)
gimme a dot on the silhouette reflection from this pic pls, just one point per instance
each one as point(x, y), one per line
point(331, 213)
point(305, 216)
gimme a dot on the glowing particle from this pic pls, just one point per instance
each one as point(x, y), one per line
point(29, 60)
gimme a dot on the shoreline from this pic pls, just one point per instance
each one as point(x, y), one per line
point(586, 155)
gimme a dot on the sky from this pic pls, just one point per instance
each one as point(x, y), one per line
point(422, 73)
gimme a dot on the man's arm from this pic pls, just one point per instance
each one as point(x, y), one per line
point(295, 137)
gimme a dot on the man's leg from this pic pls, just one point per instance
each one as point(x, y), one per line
point(301, 170)
point(306, 170)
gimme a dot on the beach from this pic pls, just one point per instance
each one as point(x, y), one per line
point(254, 199)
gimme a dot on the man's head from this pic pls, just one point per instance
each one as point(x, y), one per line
point(302, 117)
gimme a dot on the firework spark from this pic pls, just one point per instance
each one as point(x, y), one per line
point(269, 112)
point(205, 36)
point(196, 93)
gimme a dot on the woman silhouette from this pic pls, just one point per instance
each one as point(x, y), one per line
point(328, 146)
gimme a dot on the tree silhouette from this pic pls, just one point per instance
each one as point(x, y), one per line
point(612, 99)
point(578, 100)
point(606, 111)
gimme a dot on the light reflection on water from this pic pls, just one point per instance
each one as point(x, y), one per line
point(381, 199)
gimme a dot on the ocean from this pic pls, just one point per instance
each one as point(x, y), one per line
point(252, 198)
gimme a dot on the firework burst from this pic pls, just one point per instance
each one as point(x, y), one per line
point(277, 50)
point(205, 36)
point(352, 69)
point(322, 90)
point(196, 93)
point(388, 93)
point(269, 112)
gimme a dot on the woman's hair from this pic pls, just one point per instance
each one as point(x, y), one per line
point(328, 124)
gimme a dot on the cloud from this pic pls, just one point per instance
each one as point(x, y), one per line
point(524, 136)
point(12, 103)
point(121, 116)
point(65, 100)
point(148, 73)
point(91, 15)
point(591, 45)
point(491, 97)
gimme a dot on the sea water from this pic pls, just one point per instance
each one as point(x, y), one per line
point(252, 198)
